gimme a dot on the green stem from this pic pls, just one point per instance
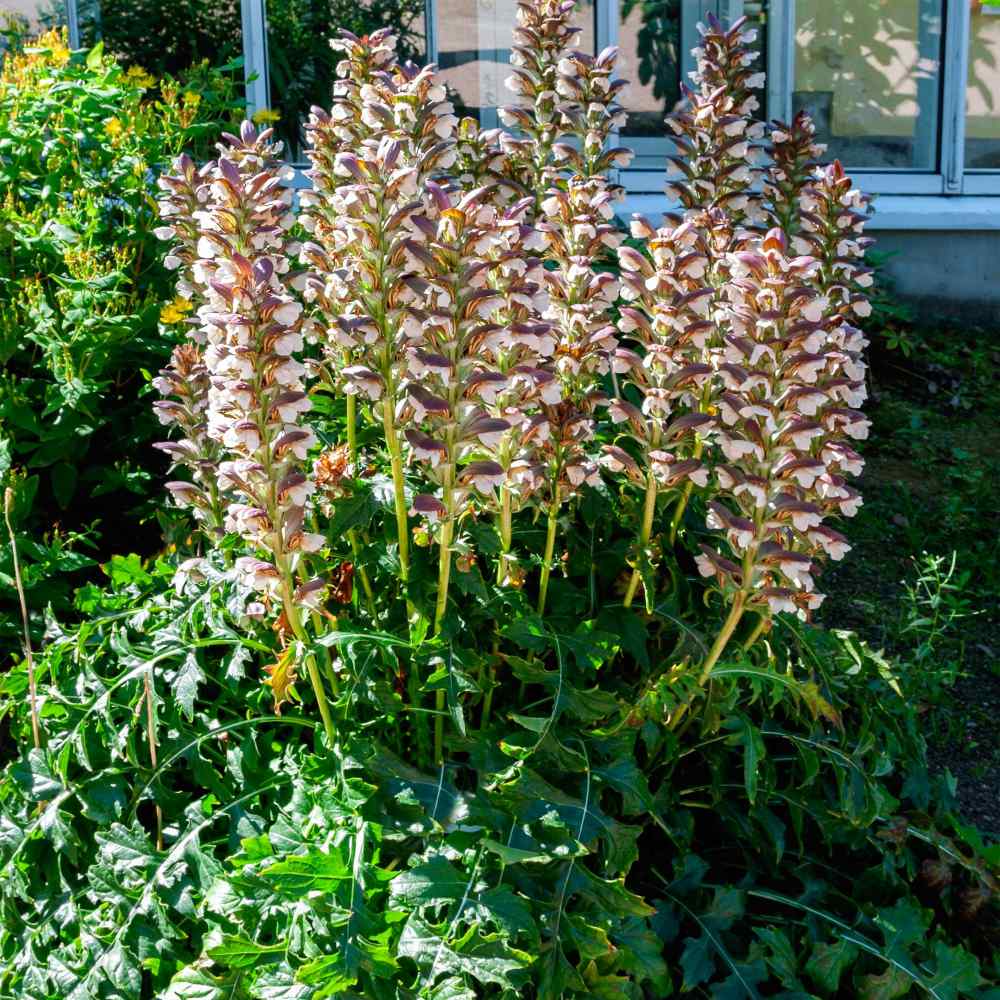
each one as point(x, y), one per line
point(398, 489)
point(648, 512)
point(488, 697)
point(675, 521)
point(722, 639)
point(755, 634)
point(295, 622)
point(352, 431)
point(550, 546)
point(366, 585)
point(444, 578)
point(506, 532)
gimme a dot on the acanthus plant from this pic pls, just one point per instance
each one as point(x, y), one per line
point(477, 325)
point(467, 335)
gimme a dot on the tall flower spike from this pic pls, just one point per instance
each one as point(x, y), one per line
point(714, 166)
point(667, 319)
point(542, 36)
point(466, 271)
point(578, 230)
point(361, 260)
point(253, 327)
point(184, 384)
point(180, 205)
point(789, 405)
point(793, 152)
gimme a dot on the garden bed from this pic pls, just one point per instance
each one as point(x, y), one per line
point(930, 485)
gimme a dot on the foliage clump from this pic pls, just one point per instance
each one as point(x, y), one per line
point(572, 734)
point(85, 303)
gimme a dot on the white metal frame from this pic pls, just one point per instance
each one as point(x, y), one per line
point(255, 64)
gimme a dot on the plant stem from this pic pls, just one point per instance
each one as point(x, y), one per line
point(506, 531)
point(488, 697)
point(8, 503)
point(366, 584)
point(755, 634)
point(295, 622)
point(722, 639)
point(675, 521)
point(398, 490)
point(550, 545)
point(648, 512)
point(444, 578)
point(352, 431)
point(151, 736)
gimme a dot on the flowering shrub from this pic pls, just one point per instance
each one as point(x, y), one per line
point(565, 734)
point(85, 305)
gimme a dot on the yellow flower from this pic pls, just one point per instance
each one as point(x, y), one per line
point(265, 116)
point(113, 127)
point(174, 312)
point(138, 77)
point(191, 99)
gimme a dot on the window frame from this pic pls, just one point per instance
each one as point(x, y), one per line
point(908, 198)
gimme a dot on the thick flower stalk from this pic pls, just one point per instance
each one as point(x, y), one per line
point(515, 379)
point(678, 285)
point(469, 269)
point(256, 397)
point(786, 415)
point(579, 235)
point(362, 215)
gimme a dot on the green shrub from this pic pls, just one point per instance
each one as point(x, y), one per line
point(85, 303)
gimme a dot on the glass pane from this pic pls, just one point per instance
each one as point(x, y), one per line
point(29, 17)
point(650, 43)
point(474, 38)
point(301, 64)
point(165, 37)
point(982, 121)
point(869, 74)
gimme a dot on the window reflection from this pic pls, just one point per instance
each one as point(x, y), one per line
point(869, 74)
point(164, 37)
point(29, 17)
point(982, 122)
point(474, 38)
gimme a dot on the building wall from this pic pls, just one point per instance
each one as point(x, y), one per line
point(946, 275)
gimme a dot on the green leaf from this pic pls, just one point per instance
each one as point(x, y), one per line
point(434, 881)
point(892, 983)
point(318, 871)
point(32, 773)
point(827, 964)
point(95, 56)
point(238, 953)
point(185, 687)
point(955, 972)
point(194, 983)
